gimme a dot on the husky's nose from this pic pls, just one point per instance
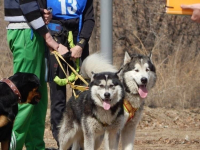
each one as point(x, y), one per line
point(107, 95)
point(144, 80)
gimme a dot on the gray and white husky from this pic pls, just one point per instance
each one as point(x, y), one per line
point(138, 76)
point(94, 112)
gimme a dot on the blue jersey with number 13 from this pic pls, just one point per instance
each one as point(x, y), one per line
point(66, 9)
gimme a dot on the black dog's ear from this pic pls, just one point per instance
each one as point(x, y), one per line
point(34, 79)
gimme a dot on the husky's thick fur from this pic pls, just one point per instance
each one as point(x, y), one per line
point(94, 112)
point(138, 75)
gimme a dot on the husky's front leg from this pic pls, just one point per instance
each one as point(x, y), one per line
point(89, 141)
point(128, 132)
point(98, 141)
point(111, 140)
point(67, 134)
point(76, 145)
point(66, 140)
point(127, 138)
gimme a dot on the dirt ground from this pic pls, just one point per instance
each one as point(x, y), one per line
point(159, 129)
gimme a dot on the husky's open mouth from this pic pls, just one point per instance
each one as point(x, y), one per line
point(142, 90)
point(106, 102)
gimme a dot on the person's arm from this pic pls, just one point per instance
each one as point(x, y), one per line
point(88, 23)
point(196, 11)
point(31, 12)
point(86, 31)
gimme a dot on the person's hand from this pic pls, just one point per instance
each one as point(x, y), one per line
point(47, 16)
point(76, 52)
point(62, 49)
point(196, 11)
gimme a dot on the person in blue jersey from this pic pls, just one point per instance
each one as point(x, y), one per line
point(27, 36)
point(196, 11)
point(74, 16)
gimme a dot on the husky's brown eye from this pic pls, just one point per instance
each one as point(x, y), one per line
point(101, 86)
point(136, 70)
point(111, 86)
point(147, 70)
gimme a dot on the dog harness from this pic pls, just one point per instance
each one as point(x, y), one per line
point(13, 87)
point(128, 108)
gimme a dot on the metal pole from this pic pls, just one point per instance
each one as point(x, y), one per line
point(106, 28)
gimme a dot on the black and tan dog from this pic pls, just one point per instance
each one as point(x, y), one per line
point(17, 89)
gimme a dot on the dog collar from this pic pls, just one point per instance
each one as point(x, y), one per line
point(13, 87)
point(130, 109)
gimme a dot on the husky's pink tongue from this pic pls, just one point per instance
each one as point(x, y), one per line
point(106, 105)
point(142, 91)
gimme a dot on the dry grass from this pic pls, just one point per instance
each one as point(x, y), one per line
point(173, 39)
point(178, 80)
point(6, 56)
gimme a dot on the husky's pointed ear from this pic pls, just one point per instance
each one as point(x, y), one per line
point(127, 58)
point(119, 73)
point(150, 57)
point(92, 77)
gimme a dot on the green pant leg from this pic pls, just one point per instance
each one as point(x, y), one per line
point(34, 139)
point(28, 56)
point(38, 120)
point(21, 126)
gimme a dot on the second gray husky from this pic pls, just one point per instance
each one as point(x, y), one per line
point(138, 76)
point(94, 112)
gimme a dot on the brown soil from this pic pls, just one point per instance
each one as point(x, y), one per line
point(159, 129)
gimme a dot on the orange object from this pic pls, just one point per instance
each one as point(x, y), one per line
point(174, 6)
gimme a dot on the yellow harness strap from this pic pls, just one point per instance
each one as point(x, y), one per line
point(128, 108)
point(74, 75)
point(57, 55)
point(81, 88)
